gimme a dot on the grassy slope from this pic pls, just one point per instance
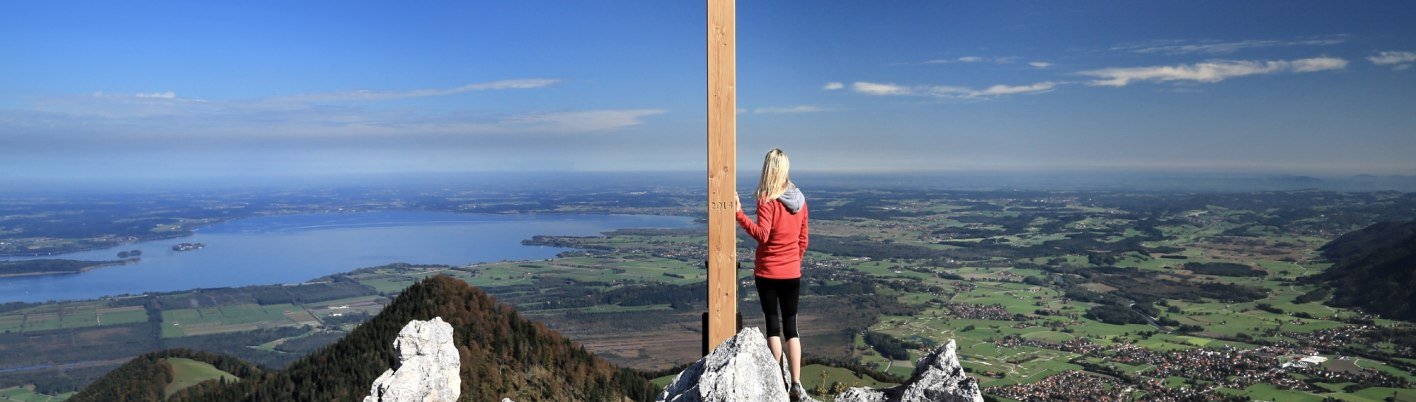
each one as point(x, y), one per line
point(188, 372)
point(21, 394)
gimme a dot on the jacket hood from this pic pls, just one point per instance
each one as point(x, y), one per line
point(793, 199)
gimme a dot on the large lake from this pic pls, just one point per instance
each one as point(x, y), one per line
point(298, 248)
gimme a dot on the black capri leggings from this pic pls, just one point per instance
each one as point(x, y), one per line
point(781, 293)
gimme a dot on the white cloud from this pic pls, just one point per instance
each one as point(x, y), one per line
point(1390, 57)
point(148, 104)
point(140, 96)
point(159, 95)
point(1398, 60)
point(871, 88)
point(367, 95)
point(832, 86)
point(228, 125)
point(165, 118)
point(973, 59)
point(945, 91)
point(789, 109)
point(1018, 89)
point(1210, 71)
point(1178, 47)
point(579, 121)
point(1318, 64)
point(1040, 64)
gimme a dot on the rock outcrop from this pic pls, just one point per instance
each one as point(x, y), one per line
point(428, 369)
point(937, 377)
point(740, 369)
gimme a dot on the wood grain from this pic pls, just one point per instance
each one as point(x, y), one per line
point(722, 171)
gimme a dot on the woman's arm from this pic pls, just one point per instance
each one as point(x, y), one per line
point(802, 239)
point(760, 229)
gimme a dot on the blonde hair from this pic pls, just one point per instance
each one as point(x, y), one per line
point(774, 183)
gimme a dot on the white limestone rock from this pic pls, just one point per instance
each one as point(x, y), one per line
point(937, 377)
point(740, 369)
point(428, 369)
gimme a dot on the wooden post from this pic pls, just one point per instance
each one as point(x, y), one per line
point(722, 171)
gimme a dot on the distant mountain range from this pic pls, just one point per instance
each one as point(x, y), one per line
point(1062, 180)
point(503, 356)
point(1373, 269)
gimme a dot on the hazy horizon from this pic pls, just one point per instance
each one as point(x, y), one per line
point(175, 91)
point(685, 180)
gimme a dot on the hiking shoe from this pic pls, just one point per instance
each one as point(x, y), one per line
point(796, 393)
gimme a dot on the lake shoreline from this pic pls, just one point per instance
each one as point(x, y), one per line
point(87, 266)
point(4, 256)
point(291, 248)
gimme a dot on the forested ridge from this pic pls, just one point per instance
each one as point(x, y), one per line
point(503, 356)
point(1373, 269)
point(146, 377)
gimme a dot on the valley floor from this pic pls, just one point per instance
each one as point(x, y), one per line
point(1041, 291)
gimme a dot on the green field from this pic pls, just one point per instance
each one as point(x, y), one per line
point(69, 315)
point(24, 394)
point(243, 317)
point(188, 372)
point(812, 378)
point(1266, 392)
point(1380, 394)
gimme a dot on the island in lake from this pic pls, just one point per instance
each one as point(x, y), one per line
point(187, 246)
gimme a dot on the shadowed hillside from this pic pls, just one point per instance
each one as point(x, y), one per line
point(1374, 269)
point(503, 355)
point(147, 377)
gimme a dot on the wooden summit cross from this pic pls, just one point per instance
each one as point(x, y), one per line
point(722, 321)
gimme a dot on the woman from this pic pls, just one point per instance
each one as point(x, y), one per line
point(781, 234)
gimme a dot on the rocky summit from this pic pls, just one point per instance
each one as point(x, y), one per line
point(739, 369)
point(742, 370)
point(937, 377)
point(428, 366)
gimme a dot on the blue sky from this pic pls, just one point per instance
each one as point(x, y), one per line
point(154, 90)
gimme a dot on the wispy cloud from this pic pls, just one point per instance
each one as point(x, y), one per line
point(576, 121)
point(1040, 64)
point(1399, 60)
point(140, 96)
point(164, 119)
point(789, 109)
point(1317, 64)
point(148, 104)
point(161, 95)
point(1210, 71)
point(1215, 47)
point(368, 95)
point(832, 86)
point(355, 127)
point(871, 88)
point(973, 59)
point(1015, 89)
point(945, 91)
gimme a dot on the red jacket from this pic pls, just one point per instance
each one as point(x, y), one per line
point(781, 239)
